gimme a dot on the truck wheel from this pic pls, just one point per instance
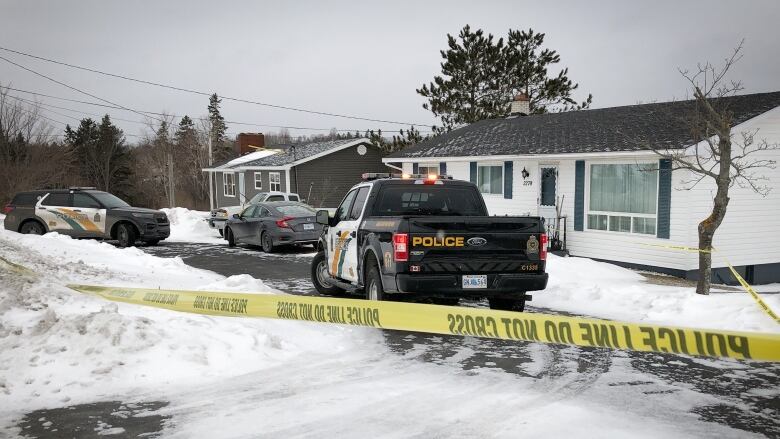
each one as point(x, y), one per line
point(229, 236)
point(221, 234)
point(319, 276)
point(32, 228)
point(374, 289)
point(125, 234)
point(501, 304)
point(268, 242)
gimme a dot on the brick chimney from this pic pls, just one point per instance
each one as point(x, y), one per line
point(520, 105)
point(249, 142)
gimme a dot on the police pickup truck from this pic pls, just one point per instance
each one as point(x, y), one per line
point(428, 236)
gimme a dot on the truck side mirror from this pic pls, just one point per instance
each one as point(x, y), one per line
point(236, 216)
point(323, 217)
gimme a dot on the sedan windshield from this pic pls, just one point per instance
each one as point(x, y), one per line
point(108, 200)
point(296, 210)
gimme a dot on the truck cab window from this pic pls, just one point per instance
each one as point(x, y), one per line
point(343, 211)
point(360, 200)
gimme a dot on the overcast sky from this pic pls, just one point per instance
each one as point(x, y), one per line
point(363, 58)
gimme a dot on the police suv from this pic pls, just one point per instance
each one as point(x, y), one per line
point(85, 213)
point(428, 236)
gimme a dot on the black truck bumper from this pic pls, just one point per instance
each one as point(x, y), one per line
point(450, 285)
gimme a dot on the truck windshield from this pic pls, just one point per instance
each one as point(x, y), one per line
point(108, 200)
point(258, 198)
point(399, 200)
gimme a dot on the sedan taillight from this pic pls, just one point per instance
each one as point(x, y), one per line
point(282, 223)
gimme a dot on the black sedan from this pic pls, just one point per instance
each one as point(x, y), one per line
point(274, 224)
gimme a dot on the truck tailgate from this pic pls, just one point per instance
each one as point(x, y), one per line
point(475, 245)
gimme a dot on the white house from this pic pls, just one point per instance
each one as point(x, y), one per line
point(616, 195)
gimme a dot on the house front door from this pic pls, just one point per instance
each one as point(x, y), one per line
point(548, 194)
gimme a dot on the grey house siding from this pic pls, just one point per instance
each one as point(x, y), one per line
point(220, 199)
point(265, 179)
point(330, 176)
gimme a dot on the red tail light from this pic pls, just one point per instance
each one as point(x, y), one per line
point(543, 247)
point(401, 247)
point(282, 223)
point(8, 208)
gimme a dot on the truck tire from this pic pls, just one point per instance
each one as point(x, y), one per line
point(221, 234)
point(125, 235)
point(319, 274)
point(374, 288)
point(230, 238)
point(32, 227)
point(502, 304)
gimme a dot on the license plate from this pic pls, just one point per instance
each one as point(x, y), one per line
point(475, 281)
point(308, 226)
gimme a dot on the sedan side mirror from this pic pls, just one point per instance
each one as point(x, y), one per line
point(323, 217)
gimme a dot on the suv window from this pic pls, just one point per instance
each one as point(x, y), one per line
point(84, 200)
point(360, 200)
point(26, 199)
point(275, 198)
point(294, 198)
point(428, 200)
point(343, 210)
point(57, 199)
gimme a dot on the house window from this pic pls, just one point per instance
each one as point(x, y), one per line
point(490, 179)
point(229, 184)
point(623, 198)
point(428, 169)
point(275, 181)
point(258, 180)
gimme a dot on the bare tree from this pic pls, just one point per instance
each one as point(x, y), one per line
point(719, 154)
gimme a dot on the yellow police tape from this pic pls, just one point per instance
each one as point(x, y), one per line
point(753, 293)
point(477, 322)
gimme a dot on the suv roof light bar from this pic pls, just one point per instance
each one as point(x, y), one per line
point(81, 188)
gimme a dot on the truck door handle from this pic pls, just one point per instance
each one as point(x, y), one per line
point(353, 234)
point(77, 210)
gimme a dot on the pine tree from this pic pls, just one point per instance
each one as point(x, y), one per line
point(480, 77)
point(222, 150)
point(526, 65)
point(102, 154)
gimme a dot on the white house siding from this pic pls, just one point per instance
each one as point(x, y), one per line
point(750, 232)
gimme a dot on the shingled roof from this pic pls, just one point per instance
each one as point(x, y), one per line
point(626, 128)
point(288, 154)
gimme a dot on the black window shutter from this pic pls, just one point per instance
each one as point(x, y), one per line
point(508, 175)
point(473, 172)
point(415, 168)
point(664, 197)
point(579, 195)
point(443, 168)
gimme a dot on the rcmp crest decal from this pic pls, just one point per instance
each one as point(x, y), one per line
point(533, 245)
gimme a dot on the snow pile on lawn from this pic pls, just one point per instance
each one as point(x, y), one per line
point(598, 289)
point(60, 347)
point(191, 226)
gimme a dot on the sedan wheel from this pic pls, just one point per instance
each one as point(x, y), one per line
point(268, 243)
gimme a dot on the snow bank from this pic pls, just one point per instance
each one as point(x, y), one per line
point(191, 226)
point(64, 347)
point(598, 289)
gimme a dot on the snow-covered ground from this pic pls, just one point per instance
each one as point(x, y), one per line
point(191, 226)
point(230, 377)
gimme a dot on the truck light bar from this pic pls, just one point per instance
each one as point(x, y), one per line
point(368, 176)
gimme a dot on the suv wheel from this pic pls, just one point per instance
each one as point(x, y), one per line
point(374, 290)
point(319, 276)
point(32, 228)
point(125, 234)
point(502, 304)
point(230, 238)
point(268, 242)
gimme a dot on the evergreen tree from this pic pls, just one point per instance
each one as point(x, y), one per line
point(221, 147)
point(480, 77)
point(526, 65)
point(469, 89)
point(102, 154)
